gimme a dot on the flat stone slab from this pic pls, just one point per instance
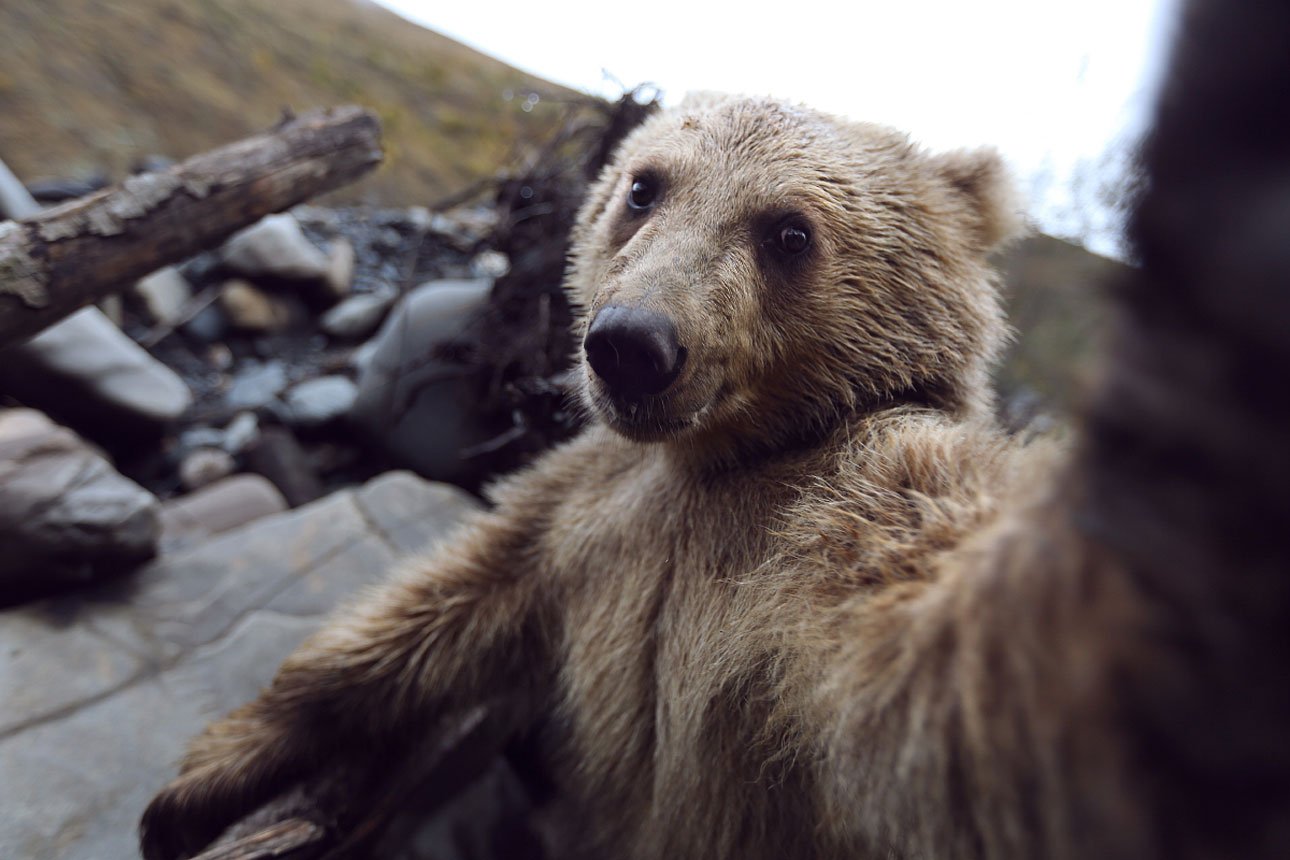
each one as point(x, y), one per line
point(101, 691)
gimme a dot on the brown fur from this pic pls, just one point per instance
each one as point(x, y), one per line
point(806, 603)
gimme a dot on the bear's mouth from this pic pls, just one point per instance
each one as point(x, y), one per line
point(646, 420)
point(653, 418)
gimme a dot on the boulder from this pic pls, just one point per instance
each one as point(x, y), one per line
point(103, 691)
point(86, 372)
point(413, 399)
point(217, 508)
point(66, 516)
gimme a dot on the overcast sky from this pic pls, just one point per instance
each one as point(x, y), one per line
point(1050, 83)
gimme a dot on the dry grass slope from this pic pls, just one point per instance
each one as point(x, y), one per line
point(95, 85)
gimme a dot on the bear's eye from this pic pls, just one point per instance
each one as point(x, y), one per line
point(643, 193)
point(791, 238)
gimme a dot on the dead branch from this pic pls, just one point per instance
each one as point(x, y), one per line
point(343, 813)
point(71, 255)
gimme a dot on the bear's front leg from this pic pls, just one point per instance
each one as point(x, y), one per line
point(448, 633)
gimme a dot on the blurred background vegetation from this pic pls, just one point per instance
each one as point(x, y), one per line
point(92, 87)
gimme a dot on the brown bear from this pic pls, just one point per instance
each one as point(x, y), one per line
point(791, 593)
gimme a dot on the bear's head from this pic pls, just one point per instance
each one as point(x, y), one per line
point(750, 272)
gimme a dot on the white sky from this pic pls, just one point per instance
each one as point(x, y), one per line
point(1050, 83)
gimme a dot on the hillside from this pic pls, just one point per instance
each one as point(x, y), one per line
point(1054, 293)
point(93, 86)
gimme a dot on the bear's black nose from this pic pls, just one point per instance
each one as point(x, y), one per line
point(634, 350)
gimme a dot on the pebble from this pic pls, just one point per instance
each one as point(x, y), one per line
point(340, 267)
point(320, 401)
point(251, 309)
point(205, 466)
point(241, 432)
point(257, 385)
point(164, 293)
point(490, 264)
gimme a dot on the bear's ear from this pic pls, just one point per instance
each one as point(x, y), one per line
point(982, 185)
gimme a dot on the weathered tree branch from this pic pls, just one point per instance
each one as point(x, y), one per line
point(293, 839)
point(342, 813)
point(71, 255)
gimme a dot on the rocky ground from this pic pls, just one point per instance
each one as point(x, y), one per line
point(105, 686)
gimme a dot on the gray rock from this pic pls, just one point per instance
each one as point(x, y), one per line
point(275, 247)
point(318, 217)
point(418, 406)
point(490, 264)
point(358, 316)
point(164, 294)
point(75, 787)
point(202, 631)
point(410, 514)
point(220, 507)
point(32, 645)
point(234, 438)
point(418, 218)
point(205, 466)
point(86, 365)
point(320, 401)
point(66, 516)
point(256, 386)
point(241, 432)
point(22, 423)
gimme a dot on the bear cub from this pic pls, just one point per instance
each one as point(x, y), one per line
point(775, 600)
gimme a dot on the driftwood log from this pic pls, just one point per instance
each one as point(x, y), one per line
point(71, 255)
point(344, 812)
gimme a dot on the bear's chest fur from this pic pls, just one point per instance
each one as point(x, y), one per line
point(664, 637)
